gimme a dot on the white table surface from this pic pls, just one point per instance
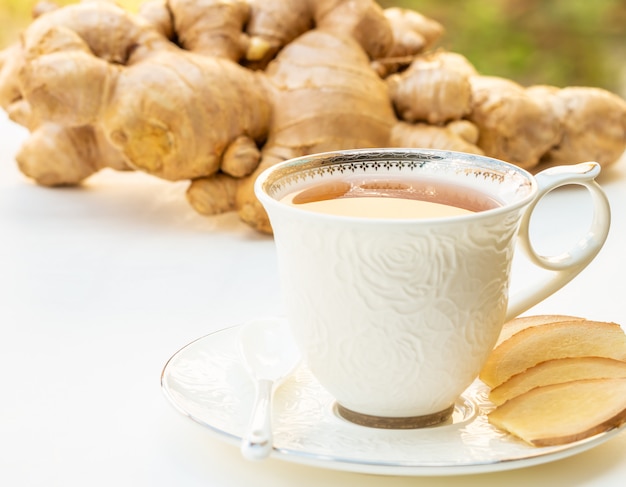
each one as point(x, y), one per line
point(100, 285)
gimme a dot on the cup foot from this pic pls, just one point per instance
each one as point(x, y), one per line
point(383, 422)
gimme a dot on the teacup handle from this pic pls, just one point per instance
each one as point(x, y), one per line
point(570, 263)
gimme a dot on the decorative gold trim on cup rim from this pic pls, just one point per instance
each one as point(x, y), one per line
point(374, 160)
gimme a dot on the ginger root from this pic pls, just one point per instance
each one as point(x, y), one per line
point(168, 112)
point(513, 125)
point(592, 124)
point(459, 135)
point(214, 91)
point(433, 89)
point(64, 156)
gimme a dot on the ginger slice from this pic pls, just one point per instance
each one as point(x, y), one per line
point(562, 413)
point(558, 371)
point(510, 328)
point(530, 346)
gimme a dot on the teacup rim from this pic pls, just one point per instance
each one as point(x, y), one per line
point(267, 200)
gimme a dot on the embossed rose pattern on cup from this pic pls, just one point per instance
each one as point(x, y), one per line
point(417, 283)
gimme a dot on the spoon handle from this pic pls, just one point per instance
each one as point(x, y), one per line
point(257, 443)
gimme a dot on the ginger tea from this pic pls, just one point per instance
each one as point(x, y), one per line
point(389, 198)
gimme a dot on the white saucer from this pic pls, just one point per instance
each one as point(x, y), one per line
point(207, 381)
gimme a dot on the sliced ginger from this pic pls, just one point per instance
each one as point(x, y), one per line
point(556, 378)
point(566, 412)
point(555, 372)
point(510, 328)
point(535, 344)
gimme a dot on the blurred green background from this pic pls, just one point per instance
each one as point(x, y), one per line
point(558, 42)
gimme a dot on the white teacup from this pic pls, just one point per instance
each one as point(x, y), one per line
point(396, 316)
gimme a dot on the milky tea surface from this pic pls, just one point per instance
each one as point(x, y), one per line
point(391, 199)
